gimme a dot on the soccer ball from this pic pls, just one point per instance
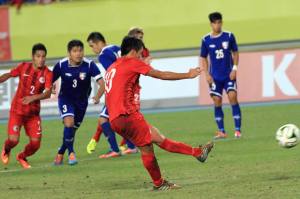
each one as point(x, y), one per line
point(288, 136)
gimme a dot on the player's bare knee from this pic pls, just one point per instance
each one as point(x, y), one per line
point(156, 136)
point(217, 101)
point(148, 149)
point(232, 97)
point(69, 122)
point(102, 120)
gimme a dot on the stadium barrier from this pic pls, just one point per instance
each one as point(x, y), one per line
point(262, 76)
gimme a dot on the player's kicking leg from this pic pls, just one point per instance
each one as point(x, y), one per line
point(236, 112)
point(34, 132)
point(137, 130)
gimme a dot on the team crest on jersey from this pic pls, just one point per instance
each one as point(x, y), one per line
point(225, 44)
point(82, 76)
point(42, 80)
point(15, 128)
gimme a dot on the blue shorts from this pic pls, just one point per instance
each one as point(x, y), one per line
point(104, 113)
point(70, 108)
point(216, 88)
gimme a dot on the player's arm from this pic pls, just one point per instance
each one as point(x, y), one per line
point(167, 75)
point(13, 73)
point(235, 57)
point(96, 74)
point(203, 61)
point(5, 77)
point(100, 91)
point(45, 95)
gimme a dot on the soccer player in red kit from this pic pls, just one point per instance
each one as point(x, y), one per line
point(35, 84)
point(122, 99)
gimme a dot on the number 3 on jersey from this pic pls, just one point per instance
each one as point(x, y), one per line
point(74, 83)
point(108, 79)
point(219, 54)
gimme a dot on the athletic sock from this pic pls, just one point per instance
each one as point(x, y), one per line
point(98, 133)
point(219, 118)
point(150, 163)
point(237, 116)
point(179, 147)
point(130, 145)
point(9, 144)
point(30, 149)
point(111, 137)
point(69, 139)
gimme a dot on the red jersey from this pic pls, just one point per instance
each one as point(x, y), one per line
point(122, 86)
point(31, 82)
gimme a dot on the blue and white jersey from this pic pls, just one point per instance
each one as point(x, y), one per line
point(76, 80)
point(109, 55)
point(219, 48)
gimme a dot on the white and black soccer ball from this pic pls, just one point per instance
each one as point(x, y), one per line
point(288, 136)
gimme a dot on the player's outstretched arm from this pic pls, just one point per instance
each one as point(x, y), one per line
point(100, 92)
point(166, 75)
point(204, 63)
point(5, 77)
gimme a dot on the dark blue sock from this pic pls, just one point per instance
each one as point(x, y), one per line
point(69, 139)
point(237, 116)
point(130, 145)
point(110, 135)
point(219, 117)
point(63, 148)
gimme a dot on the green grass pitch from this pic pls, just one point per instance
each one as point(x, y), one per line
point(252, 167)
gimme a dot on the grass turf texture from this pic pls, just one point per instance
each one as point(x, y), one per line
point(252, 167)
point(168, 24)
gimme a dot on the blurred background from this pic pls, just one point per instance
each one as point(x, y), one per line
point(268, 34)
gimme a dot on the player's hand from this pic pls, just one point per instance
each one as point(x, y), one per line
point(96, 100)
point(209, 79)
point(194, 72)
point(232, 75)
point(28, 99)
point(54, 89)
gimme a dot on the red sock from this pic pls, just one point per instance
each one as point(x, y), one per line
point(150, 163)
point(179, 147)
point(98, 133)
point(9, 144)
point(123, 142)
point(30, 149)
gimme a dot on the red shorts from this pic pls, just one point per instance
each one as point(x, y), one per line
point(134, 128)
point(32, 125)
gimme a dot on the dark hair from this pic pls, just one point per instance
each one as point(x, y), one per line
point(214, 16)
point(75, 43)
point(96, 36)
point(131, 43)
point(38, 46)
